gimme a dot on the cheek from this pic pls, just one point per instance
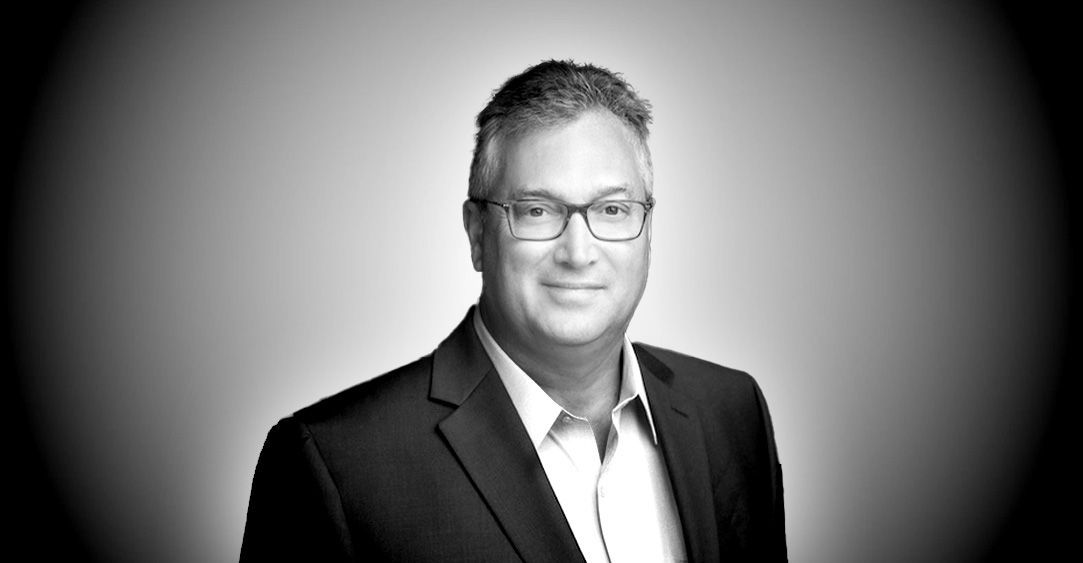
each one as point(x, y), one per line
point(636, 263)
point(512, 266)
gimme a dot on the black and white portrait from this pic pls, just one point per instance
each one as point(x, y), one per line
point(220, 213)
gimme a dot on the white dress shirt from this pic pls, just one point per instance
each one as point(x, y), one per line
point(620, 508)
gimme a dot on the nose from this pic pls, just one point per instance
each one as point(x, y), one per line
point(576, 246)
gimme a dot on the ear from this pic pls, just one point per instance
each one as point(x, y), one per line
point(474, 222)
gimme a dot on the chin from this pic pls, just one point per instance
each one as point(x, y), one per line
point(574, 329)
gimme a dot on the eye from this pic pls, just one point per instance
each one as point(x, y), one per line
point(535, 210)
point(615, 209)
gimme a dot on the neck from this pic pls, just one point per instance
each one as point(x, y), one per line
point(585, 386)
point(583, 379)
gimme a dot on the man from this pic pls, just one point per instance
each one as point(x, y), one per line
point(536, 431)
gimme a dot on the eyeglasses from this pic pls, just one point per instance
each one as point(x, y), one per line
point(546, 219)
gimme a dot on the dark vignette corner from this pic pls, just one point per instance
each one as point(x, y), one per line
point(1042, 521)
point(40, 523)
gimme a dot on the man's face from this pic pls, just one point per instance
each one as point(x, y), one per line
point(575, 289)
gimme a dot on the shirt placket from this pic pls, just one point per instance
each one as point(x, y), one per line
point(574, 437)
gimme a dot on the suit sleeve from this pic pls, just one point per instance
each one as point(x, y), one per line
point(775, 541)
point(295, 512)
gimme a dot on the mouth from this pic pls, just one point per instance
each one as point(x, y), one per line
point(582, 286)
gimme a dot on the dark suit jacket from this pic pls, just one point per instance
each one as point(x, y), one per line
point(431, 463)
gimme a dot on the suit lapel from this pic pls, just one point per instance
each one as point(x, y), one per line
point(487, 436)
point(683, 447)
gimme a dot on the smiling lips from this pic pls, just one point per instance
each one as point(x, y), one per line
point(573, 294)
point(571, 286)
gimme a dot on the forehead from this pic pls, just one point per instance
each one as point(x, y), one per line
point(581, 160)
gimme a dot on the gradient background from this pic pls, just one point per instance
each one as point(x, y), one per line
point(222, 213)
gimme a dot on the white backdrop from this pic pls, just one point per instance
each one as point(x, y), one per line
point(238, 209)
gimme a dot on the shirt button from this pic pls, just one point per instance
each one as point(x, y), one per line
point(601, 491)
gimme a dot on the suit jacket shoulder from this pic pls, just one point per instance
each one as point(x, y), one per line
point(379, 406)
point(718, 392)
point(695, 374)
point(301, 503)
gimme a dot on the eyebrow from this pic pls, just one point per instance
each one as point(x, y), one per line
point(544, 193)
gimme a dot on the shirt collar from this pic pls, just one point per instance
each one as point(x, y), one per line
point(631, 386)
point(537, 410)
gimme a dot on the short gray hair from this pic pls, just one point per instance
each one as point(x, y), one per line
point(554, 93)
